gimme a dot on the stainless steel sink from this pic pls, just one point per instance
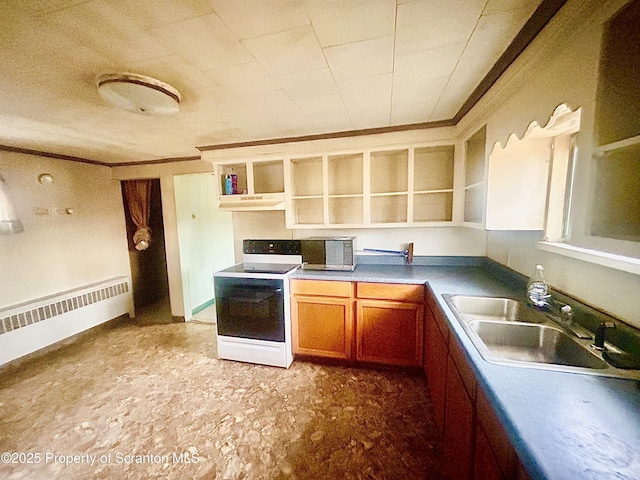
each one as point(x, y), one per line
point(509, 332)
point(495, 308)
point(534, 343)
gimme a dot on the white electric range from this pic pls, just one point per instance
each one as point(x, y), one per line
point(252, 303)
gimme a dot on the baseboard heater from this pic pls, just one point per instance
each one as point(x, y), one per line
point(30, 326)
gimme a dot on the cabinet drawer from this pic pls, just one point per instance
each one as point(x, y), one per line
point(326, 288)
point(393, 291)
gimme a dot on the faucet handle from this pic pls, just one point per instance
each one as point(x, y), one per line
point(598, 343)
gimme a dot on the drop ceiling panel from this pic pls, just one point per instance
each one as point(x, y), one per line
point(243, 79)
point(99, 27)
point(203, 41)
point(338, 22)
point(326, 112)
point(294, 50)
point(266, 16)
point(491, 37)
point(361, 59)
point(426, 24)
point(309, 83)
point(433, 63)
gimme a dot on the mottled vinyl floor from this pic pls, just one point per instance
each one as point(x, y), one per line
point(147, 401)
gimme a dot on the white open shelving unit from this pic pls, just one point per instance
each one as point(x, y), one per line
point(404, 186)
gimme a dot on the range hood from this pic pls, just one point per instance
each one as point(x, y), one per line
point(259, 201)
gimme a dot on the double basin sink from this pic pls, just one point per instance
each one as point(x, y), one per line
point(509, 332)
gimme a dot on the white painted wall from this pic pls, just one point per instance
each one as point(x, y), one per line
point(433, 241)
point(61, 252)
point(561, 66)
point(205, 236)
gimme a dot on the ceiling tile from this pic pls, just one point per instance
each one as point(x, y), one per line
point(414, 98)
point(433, 63)
point(150, 13)
point(290, 51)
point(365, 90)
point(266, 16)
point(42, 7)
point(491, 37)
point(269, 103)
point(367, 98)
point(204, 41)
point(409, 89)
point(309, 83)
point(426, 24)
point(99, 27)
point(361, 59)
point(371, 116)
point(243, 79)
point(337, 22)
point(326, 112)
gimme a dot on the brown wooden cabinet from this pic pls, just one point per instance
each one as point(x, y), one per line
point(389, 332)
point(495, 447)
point(486, 465)
point(475, 443)
point(390, 323)
point(436, 354)
point(322, 318)
point(386, 325)
point(459, 431)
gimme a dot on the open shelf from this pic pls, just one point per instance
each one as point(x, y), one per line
point(240, 169)
point(268, 177)
point(473, 200)
point(345, 174)
point(346, 210)
point(389, 208)
point(308, 211)
point(306, 176)
point(389, 171)
point(433, 168)
point(433, 207)
point(475, 148)
point(373, 188)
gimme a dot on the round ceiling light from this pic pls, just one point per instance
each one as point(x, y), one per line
point(138, 93)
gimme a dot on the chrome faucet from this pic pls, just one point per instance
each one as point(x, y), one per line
point(565, 311)
point(564, 314)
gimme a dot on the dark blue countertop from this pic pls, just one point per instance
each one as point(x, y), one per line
point(562, 425)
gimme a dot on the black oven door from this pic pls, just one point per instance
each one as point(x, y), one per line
point(250, 308)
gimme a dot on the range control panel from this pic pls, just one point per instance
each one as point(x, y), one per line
point(277, 247)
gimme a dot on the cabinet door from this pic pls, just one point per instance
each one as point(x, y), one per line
point(322, 326)
point(495, 436)
point(459, 427)
point(486, 466)
point(435, 366)
point(389, 332)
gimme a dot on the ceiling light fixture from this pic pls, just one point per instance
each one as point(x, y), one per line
point(138, 93)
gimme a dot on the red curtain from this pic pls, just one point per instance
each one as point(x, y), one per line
point(138, 195)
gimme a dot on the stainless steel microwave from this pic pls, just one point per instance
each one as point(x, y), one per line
point(328, 253)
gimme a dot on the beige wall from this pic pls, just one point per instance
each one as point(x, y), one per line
point(165, 172)
point(560, 67)
point(60, 252)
